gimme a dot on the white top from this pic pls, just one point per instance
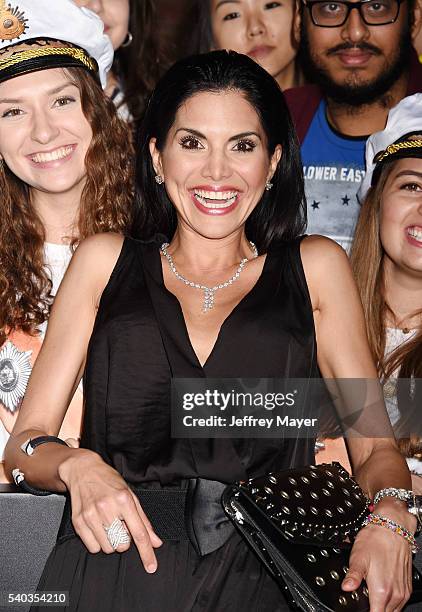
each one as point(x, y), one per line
point(393, 340)
point(122, 108)
point(57, 258)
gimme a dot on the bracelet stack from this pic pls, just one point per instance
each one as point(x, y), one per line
point(376, 519)
point(412, 501)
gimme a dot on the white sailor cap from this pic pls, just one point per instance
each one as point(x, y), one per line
point(40, 34)
point(404, 121)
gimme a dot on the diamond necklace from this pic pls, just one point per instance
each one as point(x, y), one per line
point(208, 291)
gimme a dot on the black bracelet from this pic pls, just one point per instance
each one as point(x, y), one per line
point(28, 448)
point(19, 478)
point(30, 445)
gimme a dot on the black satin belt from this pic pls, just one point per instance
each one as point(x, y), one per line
point(192, 513)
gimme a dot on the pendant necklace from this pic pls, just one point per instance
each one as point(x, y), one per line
point(209, 292)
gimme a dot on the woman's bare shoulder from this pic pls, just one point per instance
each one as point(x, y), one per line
point(98, 252)
point(320, 255)
point(106, 245)
point(94, 261)
point(326, 266)
point(322, 248)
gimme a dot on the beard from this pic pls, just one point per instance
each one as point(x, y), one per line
point(352, 92)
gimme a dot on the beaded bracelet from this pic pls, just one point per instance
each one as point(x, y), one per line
point(376, 519)
point(413, 502)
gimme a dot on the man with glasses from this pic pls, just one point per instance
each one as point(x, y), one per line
point(360, 57)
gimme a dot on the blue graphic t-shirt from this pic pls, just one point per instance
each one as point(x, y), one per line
point(333, 167)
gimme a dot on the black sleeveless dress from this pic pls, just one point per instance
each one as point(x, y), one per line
point(138, 344)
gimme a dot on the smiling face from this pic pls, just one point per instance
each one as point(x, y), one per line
point(261, 29)
point(114, 14)
point(215, 169)
point(401, 216)
point(44, 135)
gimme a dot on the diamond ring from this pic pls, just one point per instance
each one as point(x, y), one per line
point(117, 533)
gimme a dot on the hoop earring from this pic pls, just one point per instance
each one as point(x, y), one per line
point(127, 41)
point(159, 179)
point(268, 186)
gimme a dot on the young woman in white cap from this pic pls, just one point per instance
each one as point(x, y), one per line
point(138, 61)
point(218, 167)
point(387, 261)
point(65, 173)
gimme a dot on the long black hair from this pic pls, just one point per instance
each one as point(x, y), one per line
point(203, 40)
point(281, 213)
point(140, 64)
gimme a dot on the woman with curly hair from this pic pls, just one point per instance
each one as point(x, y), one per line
point(138, 62)
point(65, 174)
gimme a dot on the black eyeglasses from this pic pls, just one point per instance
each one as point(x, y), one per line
point(334, 14)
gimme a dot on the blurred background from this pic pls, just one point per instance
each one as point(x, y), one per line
point(174, 25)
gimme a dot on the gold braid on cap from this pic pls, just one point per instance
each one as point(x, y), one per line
point(395, 148)
point(28, 54)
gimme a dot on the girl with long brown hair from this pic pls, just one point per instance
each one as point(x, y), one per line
point(387, 261)
point(65, 174)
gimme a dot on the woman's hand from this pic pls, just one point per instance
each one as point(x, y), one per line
point(99, 495)
point(384, 560)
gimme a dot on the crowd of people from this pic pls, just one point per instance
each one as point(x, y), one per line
point(253, 210)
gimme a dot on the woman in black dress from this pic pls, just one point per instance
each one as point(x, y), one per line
point(219, 166)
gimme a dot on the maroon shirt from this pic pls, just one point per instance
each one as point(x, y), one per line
point(304, 101)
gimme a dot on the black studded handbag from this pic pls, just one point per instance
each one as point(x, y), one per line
point(300, 523)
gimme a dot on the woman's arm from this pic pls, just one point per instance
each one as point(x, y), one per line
point(343, 353)
point(98, 493)
point(61, 361)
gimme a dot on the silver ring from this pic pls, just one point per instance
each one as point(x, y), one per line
point(117, 533)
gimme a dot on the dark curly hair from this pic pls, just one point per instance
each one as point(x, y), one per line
point(106, 206)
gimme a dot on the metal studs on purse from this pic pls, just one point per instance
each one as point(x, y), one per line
point(300, 523)
point(320, 503)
